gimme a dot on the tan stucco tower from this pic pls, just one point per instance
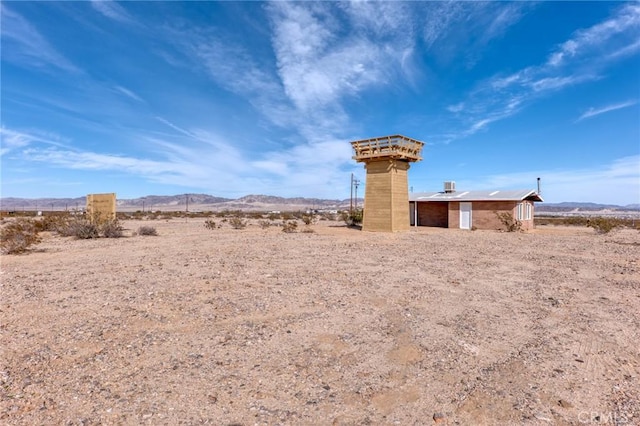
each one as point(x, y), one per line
point(386, 199)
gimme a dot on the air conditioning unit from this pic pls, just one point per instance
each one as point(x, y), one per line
point(449, 187)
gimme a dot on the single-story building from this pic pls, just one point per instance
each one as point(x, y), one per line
point(473, 209)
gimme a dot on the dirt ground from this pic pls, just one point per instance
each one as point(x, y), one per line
point(338, 326)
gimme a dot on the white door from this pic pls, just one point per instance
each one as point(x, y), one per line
point(465, 215)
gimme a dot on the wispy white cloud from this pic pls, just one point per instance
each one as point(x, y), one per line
point(318, 68)
point(625, 23)
point(578, 60)
point(314, 67)
point(547, 84)
point(176, 128)
point(322, 67)
point(111, 9)
point(31, 48)
point(460, 31)
point(128, 93)
point(14, 139)
point(617, 182)
point(206, 164)
point(592, 112)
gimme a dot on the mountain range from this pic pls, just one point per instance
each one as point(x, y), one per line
point(248, 202)
point(183, 202)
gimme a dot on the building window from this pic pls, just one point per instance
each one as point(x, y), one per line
point(523, 211)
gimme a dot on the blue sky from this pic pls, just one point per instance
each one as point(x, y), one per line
point(237, 98)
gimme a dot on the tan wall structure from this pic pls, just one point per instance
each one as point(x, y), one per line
point(101, 207)
point(387, 160)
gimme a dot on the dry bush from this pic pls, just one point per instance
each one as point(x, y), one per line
point(229, 213)
point(210, 224)
point(254, 215)
point(264, 224)
point(353, 218)
point(237, 222)
point(18, 235)
point(52, 222)
point(308, 230)
point(147, 231)
point(510, 223)
point(603, 225)
point(289, 226)
point(80, 228)
point(308, 219)
point(599, 223)
point(111, 229)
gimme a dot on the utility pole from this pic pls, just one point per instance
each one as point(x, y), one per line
point(351, 197)
point(356, 182)
point(187, 196)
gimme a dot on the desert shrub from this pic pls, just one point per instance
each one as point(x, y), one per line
point(603, 225)
point(254, 215)
point(600, 224)
point(328, 216)
point(17, 236)
point(308, 230)
point(509, 222)
point(289, 226)
point(287, 216)
point(237, 222)
point(80, 228)
point(264, 224)
point(308, 219)
point(273, 216)
point(111, 229)
point(210, 224)
point(229, 213)
point(51, 222)
point(352, 218)
point(147, 231)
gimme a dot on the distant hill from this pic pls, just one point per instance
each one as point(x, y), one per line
point(179, 202)
point(172, 200)
point(576, 206)
point(11, 203)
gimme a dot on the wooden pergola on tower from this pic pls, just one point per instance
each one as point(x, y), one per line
point(386, 199)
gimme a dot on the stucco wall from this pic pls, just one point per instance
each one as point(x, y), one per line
point(101, 207)
point(485, 213)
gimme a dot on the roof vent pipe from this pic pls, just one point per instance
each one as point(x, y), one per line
point(538, 186)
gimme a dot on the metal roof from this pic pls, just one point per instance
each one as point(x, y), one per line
point(502, 195)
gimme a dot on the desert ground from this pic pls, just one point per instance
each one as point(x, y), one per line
point(332, 327)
